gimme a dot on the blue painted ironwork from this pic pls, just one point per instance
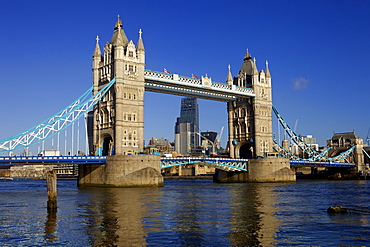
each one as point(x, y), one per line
point(30, 160)
point(289, 155)
point(313, 154)
point(55, 124)
point(226, 164)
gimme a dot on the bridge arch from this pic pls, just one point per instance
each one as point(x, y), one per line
point(245, 151)
point(107, 145)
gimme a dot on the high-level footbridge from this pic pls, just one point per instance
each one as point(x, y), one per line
point(203, 88)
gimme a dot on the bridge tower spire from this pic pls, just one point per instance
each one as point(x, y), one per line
point(97, 59)
point(119, 116)
point(250, 121)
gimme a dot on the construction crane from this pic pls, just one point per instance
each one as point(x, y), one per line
point(219, 136)
point(367, 137)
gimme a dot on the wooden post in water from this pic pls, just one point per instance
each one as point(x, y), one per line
point(51, 186)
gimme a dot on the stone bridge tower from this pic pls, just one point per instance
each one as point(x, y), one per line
point(119, 116)
point(250, 122)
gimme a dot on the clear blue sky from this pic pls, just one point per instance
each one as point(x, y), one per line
point(318, 55)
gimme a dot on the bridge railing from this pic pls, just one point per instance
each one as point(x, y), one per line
point(312, 163)
point(228, 164)
point(197, 82)
point(50, 159)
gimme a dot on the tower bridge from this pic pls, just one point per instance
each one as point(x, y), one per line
point(119, 79)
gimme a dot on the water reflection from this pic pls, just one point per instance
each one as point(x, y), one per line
point(186, 213)
point(253, 220)
point(115, 216)
point(181, 214)
point(50, 226)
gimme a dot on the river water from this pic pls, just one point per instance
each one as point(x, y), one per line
point(186, 213)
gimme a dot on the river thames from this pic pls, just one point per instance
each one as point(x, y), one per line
point(187, 213)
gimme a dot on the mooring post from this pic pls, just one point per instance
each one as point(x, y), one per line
point(51, 186)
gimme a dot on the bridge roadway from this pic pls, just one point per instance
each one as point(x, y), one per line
point(227, 164)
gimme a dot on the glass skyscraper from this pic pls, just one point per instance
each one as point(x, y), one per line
point(187, 127)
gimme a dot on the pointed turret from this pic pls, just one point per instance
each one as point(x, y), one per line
point(229, 79)
point(255, 70)
point(140, 50)
point(96, 60)
point(119, 37)
point(268, 75)
point(140, 44)
point(97, 52)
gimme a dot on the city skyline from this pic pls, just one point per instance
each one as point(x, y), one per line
point(317, 54)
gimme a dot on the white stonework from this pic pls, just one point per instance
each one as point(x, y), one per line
point(250, 121)
point(119, 116)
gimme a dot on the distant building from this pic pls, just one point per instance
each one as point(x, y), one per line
point(209, 142)
point(182, 138)
point(343, 140)
point(186, 127)
point(309, 140)
point(340, 142)
point(161, 144)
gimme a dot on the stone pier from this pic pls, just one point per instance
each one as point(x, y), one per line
point(122, 171)
point(259, 170)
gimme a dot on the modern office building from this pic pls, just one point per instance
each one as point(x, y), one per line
point(187, 127)
point(310, 140)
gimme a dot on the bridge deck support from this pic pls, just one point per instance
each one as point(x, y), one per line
point(123, 171)
point(260, 170)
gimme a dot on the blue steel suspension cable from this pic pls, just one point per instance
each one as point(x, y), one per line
point(287, 154)
point(56, 123)
point(314, 155)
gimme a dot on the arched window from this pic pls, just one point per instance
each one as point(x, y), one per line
point(242, 113)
